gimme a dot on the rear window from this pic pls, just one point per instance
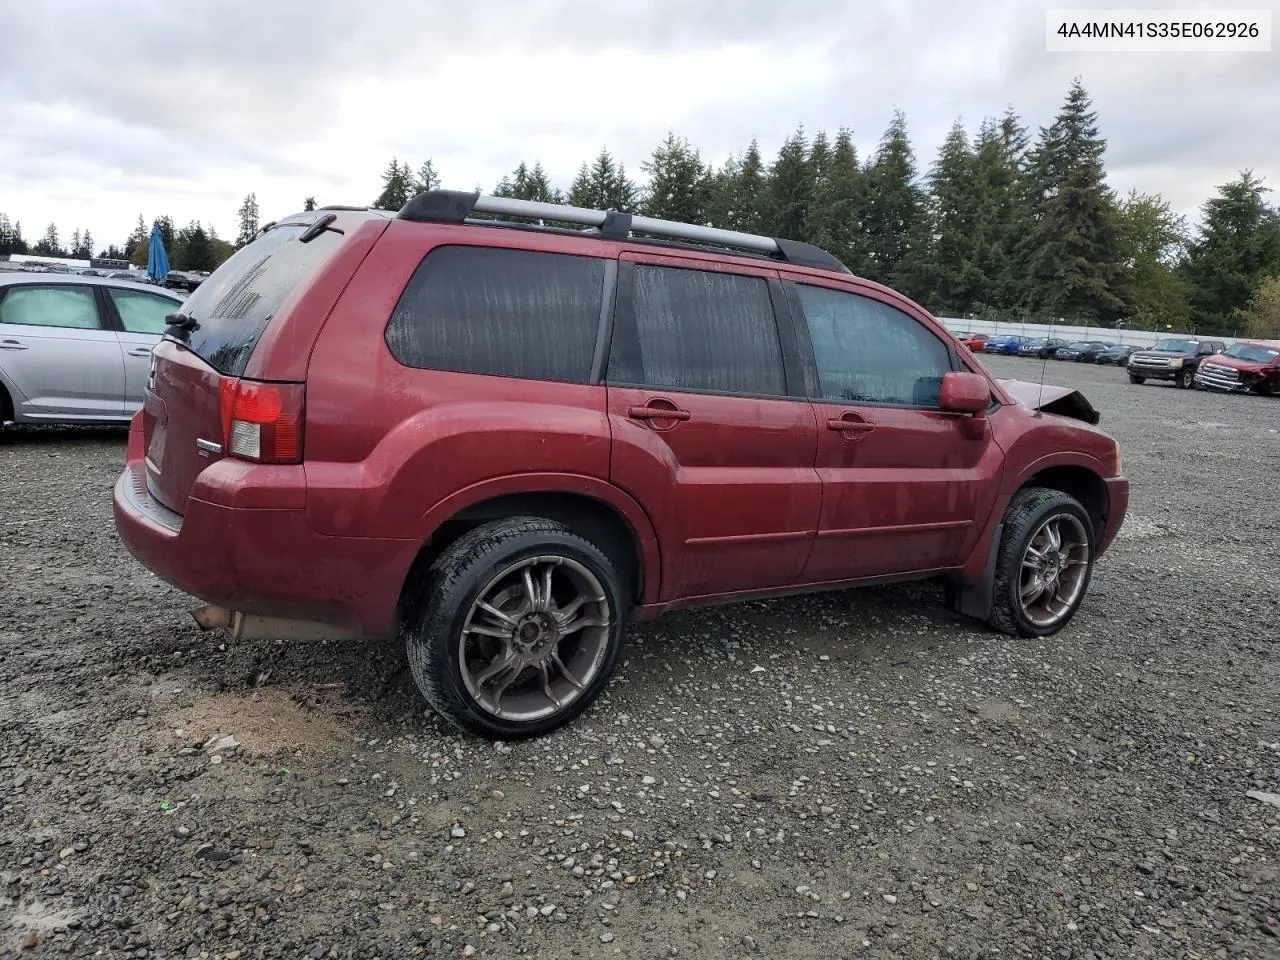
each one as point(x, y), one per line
point(234, 306)
point(504, 313)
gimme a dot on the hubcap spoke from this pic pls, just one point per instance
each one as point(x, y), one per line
point(530, 589)
point(546, 587)
point(546, 684)
point(497, 614)
point(497, 632)
point(494, 669)
point(581, 624)
point(564, 672)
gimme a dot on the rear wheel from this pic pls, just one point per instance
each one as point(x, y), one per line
point(1134, 378)
point(520, 629)
point(1044, 563)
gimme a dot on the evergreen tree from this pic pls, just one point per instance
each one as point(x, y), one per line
point(1238, 244)
point(192, 249)
point(790, 189)
point(528, 184)
point(679, 182)
point(113, 253)
point(136, 239)
point(248, 215)
point(1004, 216)
point(9, 237)
point(397, 186)
point(894, 219)
point(1262, 315)
point(309, 204)
point(73, 251)
point(603, 186)
point(426, 178)
point(1074, 250)
point(1153, 241)
point(49, 245)
point(837, 221)
point(954, 279)
point(86, 245)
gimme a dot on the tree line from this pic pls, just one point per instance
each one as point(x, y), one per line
point(1001, 226)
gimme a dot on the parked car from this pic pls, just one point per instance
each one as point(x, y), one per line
point(1117, 353)
point(76, 349)
point(1247, 366)
point(1004, 345)
point(974, 341)
point(177, 279)
point(1081, 351)
point(1173, 358)
point(127, 275)
point(1040, 347)
point(503, 441)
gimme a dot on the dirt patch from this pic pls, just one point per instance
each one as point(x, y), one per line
point(263, 722)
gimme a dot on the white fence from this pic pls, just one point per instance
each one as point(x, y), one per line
point(1138, 338)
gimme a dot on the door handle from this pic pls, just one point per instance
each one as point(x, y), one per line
point(140, 352)
point(12, 345)
point(658, 413)
point(849, 426)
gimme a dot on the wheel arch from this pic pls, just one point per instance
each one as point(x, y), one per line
point(595, 510)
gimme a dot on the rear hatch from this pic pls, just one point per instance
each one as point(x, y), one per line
point(196, 372)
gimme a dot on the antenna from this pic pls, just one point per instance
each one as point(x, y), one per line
point(1044, 364)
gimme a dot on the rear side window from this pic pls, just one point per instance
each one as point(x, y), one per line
point(234, 306)
point(142, 312)
point(699, 330)
point(505, 313)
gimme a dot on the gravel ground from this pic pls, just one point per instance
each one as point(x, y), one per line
point(852, 775)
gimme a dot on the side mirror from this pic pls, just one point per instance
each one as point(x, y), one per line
point(963, 392)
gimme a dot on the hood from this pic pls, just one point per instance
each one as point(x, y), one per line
point(1235, 363)
point(1062, 401)
point(1163, 353)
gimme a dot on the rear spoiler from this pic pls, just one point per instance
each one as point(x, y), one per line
point(1047, 398)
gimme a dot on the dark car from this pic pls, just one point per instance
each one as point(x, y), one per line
point(1081, 351)
point(1118, 354)
point(1004, 344)
point(502, 442)
point(1173, 358)
point(177, 279)
point(1040, 347)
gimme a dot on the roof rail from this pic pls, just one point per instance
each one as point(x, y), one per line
point(457, 206)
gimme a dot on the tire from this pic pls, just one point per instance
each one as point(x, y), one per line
point(1030, 512)
point(1186, 378)
point(521, 700)
point(1136, 379)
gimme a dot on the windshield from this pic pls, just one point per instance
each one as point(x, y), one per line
point(1177, 346)
point(1246, 351)
point(1079, 345)
point(1036, 343)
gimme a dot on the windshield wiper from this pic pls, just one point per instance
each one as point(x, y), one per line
point(179, 326)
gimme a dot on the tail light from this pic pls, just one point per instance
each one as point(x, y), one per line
point(262, 422)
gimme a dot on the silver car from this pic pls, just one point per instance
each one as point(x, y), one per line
point(77, 349)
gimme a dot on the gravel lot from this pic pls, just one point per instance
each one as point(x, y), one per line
point(852, 775)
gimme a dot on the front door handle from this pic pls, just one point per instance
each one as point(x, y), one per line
point(12, 345)
point(140, 352)
point(657, 413)
point(850, 428)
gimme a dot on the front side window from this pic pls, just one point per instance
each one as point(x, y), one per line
point(869, 352)
point(142, 312)
point(63, 306)
point(700, 330)
point(506, 313)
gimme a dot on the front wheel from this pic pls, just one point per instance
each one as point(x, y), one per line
point(1044, 563)
point(1134, 378)
point(520, 629)
point(1187, 378)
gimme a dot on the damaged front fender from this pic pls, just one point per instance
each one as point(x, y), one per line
point(1061, 401)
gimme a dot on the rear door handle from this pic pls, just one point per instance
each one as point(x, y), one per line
point(12, 345)
point(658, 413)
point(140, 352)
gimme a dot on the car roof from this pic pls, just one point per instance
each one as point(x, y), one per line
point(74, 279)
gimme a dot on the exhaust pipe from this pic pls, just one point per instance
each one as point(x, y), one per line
point(244, 626)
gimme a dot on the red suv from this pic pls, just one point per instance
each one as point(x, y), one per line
point(503, 440)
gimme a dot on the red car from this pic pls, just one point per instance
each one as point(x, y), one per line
point(977, 342)
point(1249, 366)
point(504, 440)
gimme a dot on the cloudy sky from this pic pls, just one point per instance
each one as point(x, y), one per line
point(112, 108)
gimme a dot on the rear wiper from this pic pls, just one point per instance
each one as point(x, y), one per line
point(320, 225)
point(179, 326)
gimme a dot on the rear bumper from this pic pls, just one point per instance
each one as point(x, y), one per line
point(1117, 507)
point(263, 561)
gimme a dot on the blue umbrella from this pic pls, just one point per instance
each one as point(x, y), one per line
point(157, 259)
